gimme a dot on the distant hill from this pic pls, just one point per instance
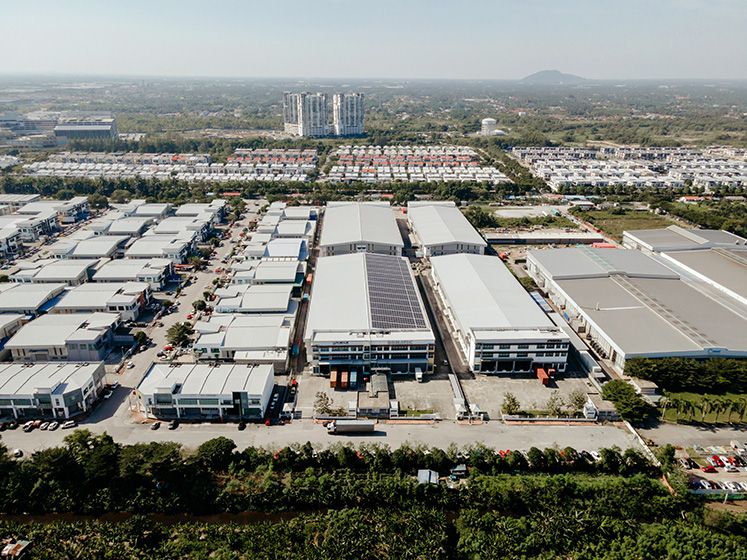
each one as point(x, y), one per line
point(552, 78)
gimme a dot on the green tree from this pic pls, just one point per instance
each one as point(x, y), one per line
point(511, 405)
point(216, 453)
point(178, 334)
point(199, 305)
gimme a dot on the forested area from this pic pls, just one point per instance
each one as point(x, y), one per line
point(345, 502)
point(724, 214)
point(715, 375)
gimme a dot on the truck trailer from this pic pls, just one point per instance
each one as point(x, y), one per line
point(350, 426)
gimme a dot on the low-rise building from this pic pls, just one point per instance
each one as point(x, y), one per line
point(72, 272)
point(49, 391)
point(262, 298)
point(29, 299)
point(126, 299)
point(154, 272)
point(440, 228)
point(366, 315)
point(246, 339)
point(80, 246)
point(205, 392)
point(496, 323)
point(351, 227)
point(65, 337)
point(160, 247)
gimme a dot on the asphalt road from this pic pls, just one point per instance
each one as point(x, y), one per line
point(493, 434)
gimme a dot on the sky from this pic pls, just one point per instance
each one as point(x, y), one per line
point(483, 39)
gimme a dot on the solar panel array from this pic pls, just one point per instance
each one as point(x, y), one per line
point(392, 297)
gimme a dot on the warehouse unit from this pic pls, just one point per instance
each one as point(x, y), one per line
point(441, 229)
point(716, 257)
point(155, 272)
point(245, 339)
point(127, 299)
point(29, 299)
point(629, 305)
point(205, 392)
point(73, 272)
point(65, 337)
point(49, 390)
point(497, 324)
point(87, 245)
point(351, 227)
point(366, 315)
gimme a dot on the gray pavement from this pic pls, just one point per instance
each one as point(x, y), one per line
point(443, 434)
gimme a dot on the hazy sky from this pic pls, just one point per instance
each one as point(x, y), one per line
point(376, 38)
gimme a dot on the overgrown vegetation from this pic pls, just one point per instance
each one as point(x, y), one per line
point(716, 375)
point(724, 214)
point(629, 404)
point(343, 502)
point(615, 221)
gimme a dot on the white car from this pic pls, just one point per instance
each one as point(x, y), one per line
point(53, 426)
point(69, 424)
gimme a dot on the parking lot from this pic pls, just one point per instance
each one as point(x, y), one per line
point(716, 467)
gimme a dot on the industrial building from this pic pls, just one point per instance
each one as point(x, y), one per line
point(85, 127)
point(716, 257)
point(627, 304)
point(497, 324)
point(440, 228)
point(52, 391)
point(246, 339)
point(347, 114)
point(29, 299)
point(205, 392)
point(87, 245)
point(65, 337)
point(127, 299)
point(360, 227)
point(159, 247)
point(72, 272)
point(367, 316)
point(154, 272)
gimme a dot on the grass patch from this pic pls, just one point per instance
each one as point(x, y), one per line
point(614, 222)
point(695, 405)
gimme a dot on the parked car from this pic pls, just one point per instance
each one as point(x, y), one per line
point(155, 425)
point(28, 426)
point(44, 426)
point(708, 469)
point(69, 424)
point(108, 394)
point(114, 385)
point(242, 425)
point(17, 453)
point(53, 426)
point(130, 365)
point(173, 425)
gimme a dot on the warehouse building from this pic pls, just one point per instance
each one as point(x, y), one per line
point(351, 227)
point(499, 327)
point(205, 392)
point(718, 258)
point(78, 246)
point(29, 299)
point(366, 316)
point(441, 229)
point(154, 272)
point(160, 247)
point(127, 299)
point(626, 304)
point(73, 272)
point(245, 339)
point(65, 337)
point(49, 390)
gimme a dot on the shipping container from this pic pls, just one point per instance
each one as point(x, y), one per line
point(333, 379)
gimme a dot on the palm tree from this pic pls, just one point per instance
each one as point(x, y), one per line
point(706, 404)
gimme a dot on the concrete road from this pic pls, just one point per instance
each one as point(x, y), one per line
point(443, 434)
point(118, 407)
point(681, 435)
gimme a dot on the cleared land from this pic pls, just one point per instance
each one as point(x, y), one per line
point(614, 222)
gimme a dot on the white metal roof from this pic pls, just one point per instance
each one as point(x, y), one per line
point(203, 379)
point(483, 294)
point(342, 296)
point(360, 223)
point(18, 379)
point(440, 224)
